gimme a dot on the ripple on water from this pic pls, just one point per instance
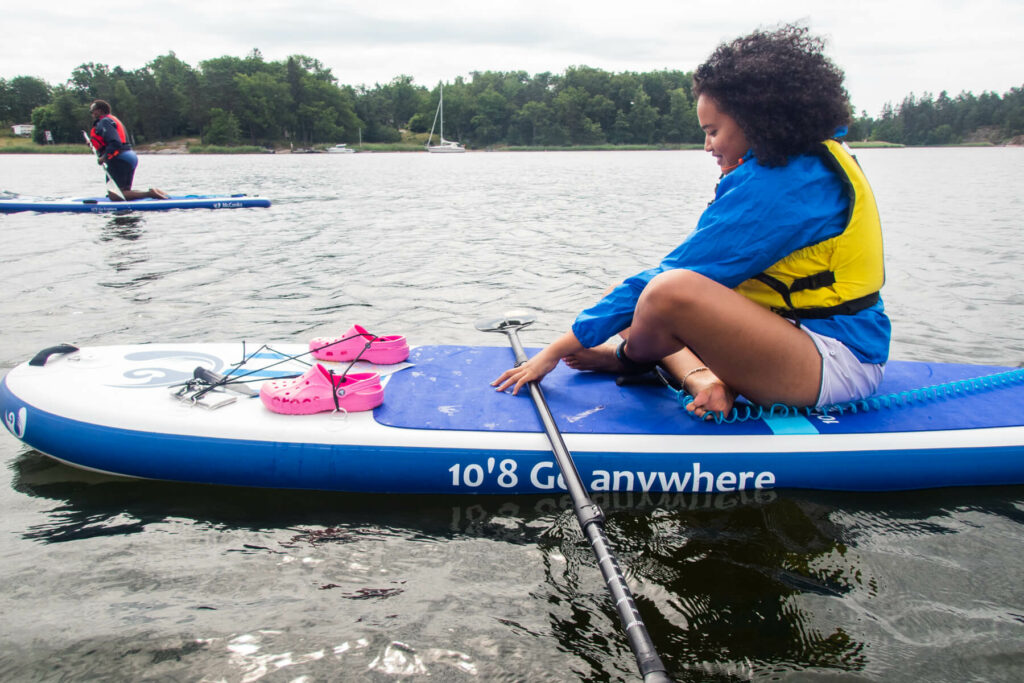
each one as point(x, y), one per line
point(187, 583)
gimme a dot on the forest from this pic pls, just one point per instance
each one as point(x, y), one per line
point(230, 101)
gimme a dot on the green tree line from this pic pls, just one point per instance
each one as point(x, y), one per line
point(231, 100)
point(945, 120)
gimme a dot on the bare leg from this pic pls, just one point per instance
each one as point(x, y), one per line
point(598, 359)
point(749, 349)
point(151, 193)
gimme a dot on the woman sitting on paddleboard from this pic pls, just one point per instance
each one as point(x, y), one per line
point(110, 140)
point(775, 294)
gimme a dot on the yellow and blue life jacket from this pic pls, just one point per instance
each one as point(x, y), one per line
point(841, 275)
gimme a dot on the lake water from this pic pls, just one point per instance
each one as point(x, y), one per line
point(111, 580)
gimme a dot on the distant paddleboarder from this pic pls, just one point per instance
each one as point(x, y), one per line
point(110, 140)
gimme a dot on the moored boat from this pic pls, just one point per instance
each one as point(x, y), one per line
point(444, 146)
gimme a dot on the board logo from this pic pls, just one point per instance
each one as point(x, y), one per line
point(165, 368)
point(16, 423)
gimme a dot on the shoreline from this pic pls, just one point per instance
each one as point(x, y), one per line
point(385, 148)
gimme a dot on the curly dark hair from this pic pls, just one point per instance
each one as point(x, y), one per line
point(784, 93)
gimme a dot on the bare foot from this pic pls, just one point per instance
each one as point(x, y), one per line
point(710, 394)
point(597, 359)
point(158, 194)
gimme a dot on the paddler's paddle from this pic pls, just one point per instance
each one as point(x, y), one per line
point(111, 185)
point(588, 513)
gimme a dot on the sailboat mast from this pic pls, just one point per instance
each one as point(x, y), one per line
point(443, 145)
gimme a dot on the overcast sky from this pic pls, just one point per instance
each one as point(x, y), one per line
point(888, 48)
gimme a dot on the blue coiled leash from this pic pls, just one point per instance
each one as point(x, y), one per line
point(936, 392)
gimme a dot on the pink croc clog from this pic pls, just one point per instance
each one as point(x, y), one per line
point(358, 344)
point(319, 390)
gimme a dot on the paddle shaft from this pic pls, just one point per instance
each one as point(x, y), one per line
point(591, 520)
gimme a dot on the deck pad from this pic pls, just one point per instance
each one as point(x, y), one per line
point(448, 388)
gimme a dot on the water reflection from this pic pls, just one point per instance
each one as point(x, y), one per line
point(123, 227)
point(715, 571)
point(731, 586)
point(126, 253)
point(90, 500)
point(716, 580)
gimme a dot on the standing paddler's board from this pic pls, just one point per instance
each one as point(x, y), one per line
point(443, 429)
point(104, 205)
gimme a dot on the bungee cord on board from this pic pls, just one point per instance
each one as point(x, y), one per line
point(211, 381)
point(936, 392)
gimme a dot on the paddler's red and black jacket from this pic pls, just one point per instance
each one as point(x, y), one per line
point(109, 137)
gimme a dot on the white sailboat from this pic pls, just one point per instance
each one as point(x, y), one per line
point(445, 146)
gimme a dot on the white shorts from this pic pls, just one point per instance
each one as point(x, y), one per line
point(843, 376)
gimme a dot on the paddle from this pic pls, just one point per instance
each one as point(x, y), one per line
point(588, 513)
point(111, 185)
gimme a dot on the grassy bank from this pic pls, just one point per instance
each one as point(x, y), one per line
point(221, 149)
point(595, 148)
point(13, 145)
point(874, 144)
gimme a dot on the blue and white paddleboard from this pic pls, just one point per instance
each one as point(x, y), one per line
point(104, 205)
point(443, 429)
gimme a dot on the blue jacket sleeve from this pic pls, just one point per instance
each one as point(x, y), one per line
point(759, 215)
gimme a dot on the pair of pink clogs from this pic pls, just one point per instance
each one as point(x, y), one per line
point(319, 389)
